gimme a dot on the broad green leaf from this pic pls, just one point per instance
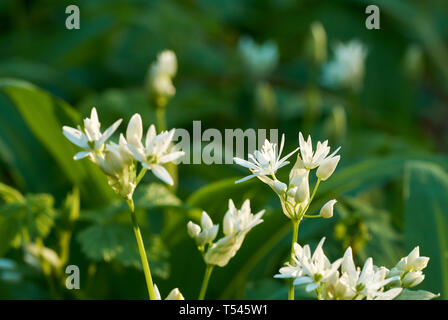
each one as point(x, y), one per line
point(115, 242)
point(45, 116)
point(426, 220)
point(407, 294)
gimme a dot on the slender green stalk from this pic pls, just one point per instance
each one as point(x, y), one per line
point(295, 234)
point(161, 118)
point(312, 196)
point(141, 175)
point(207, 274)
point(141, 249)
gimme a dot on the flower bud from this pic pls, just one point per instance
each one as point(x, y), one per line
point(228, 224)
point(292, 192)
point(175, 295)
point(206, 222)
point(319, 42)
point(303, 190)
point(327, 168)
point(327, 209)
point(279, 186)
point(411, 279)
point(193, 229)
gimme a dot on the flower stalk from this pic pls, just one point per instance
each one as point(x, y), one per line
point(295, 234)
point(207, 274)
point(142, 252)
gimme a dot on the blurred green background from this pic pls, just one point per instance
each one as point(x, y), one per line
point(391, 183)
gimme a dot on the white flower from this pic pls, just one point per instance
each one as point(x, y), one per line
point(265, 162)
point(208, 233)
point(175, 294)
point(347, 68)
point(166, 64)
point(237, 223)
point(156, 151)
point(259, 59)
point(312, 159)
point(160, 76)
point(327, 167)
point(90, 138)
point(409, 269)
point(327, 209)
point(118, 164)
point(240, 221)
point(369, 282)
point(294, 270)
point(316, 270)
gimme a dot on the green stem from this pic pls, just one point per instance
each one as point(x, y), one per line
point(207, 274)
point(141, 175)
point(141, 249)
point(295, 234)
point(161, 118)
point(312, 196)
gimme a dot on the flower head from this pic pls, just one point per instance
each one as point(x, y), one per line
point(160, 77)
point(265, 162)
point(317, 269)
point(204, 235)
point(314, 159)
point(237, 223)
point(156, 151)
point(90, 137)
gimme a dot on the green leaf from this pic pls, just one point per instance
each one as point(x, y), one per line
point(45, 116)
point(426, 220)
point(407, 294)
point(21, 221)
point(115, 242)
point(9, 194)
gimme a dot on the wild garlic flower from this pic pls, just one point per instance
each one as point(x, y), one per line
point(295, 198)
point(207, 234)
point(316, 270)
point(175, 294)
point(157, 150)
point(236, 224)
point(347, 68)
point(319, 157)
point(368, 283)
point(351, 282)
point(160, 76)
point(118, 165)
point(265, 162)
point(409, 269)
point(260, 60)
point(90, 138)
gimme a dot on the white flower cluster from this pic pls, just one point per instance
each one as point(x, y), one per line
point(236, 224)
point(160, 76)
point(342, 280)
point(118, 161)
point(295, 197)
point(346, 70)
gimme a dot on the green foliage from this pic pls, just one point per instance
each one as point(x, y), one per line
point(426, 220)
point(393, 133)
point(23, 218)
